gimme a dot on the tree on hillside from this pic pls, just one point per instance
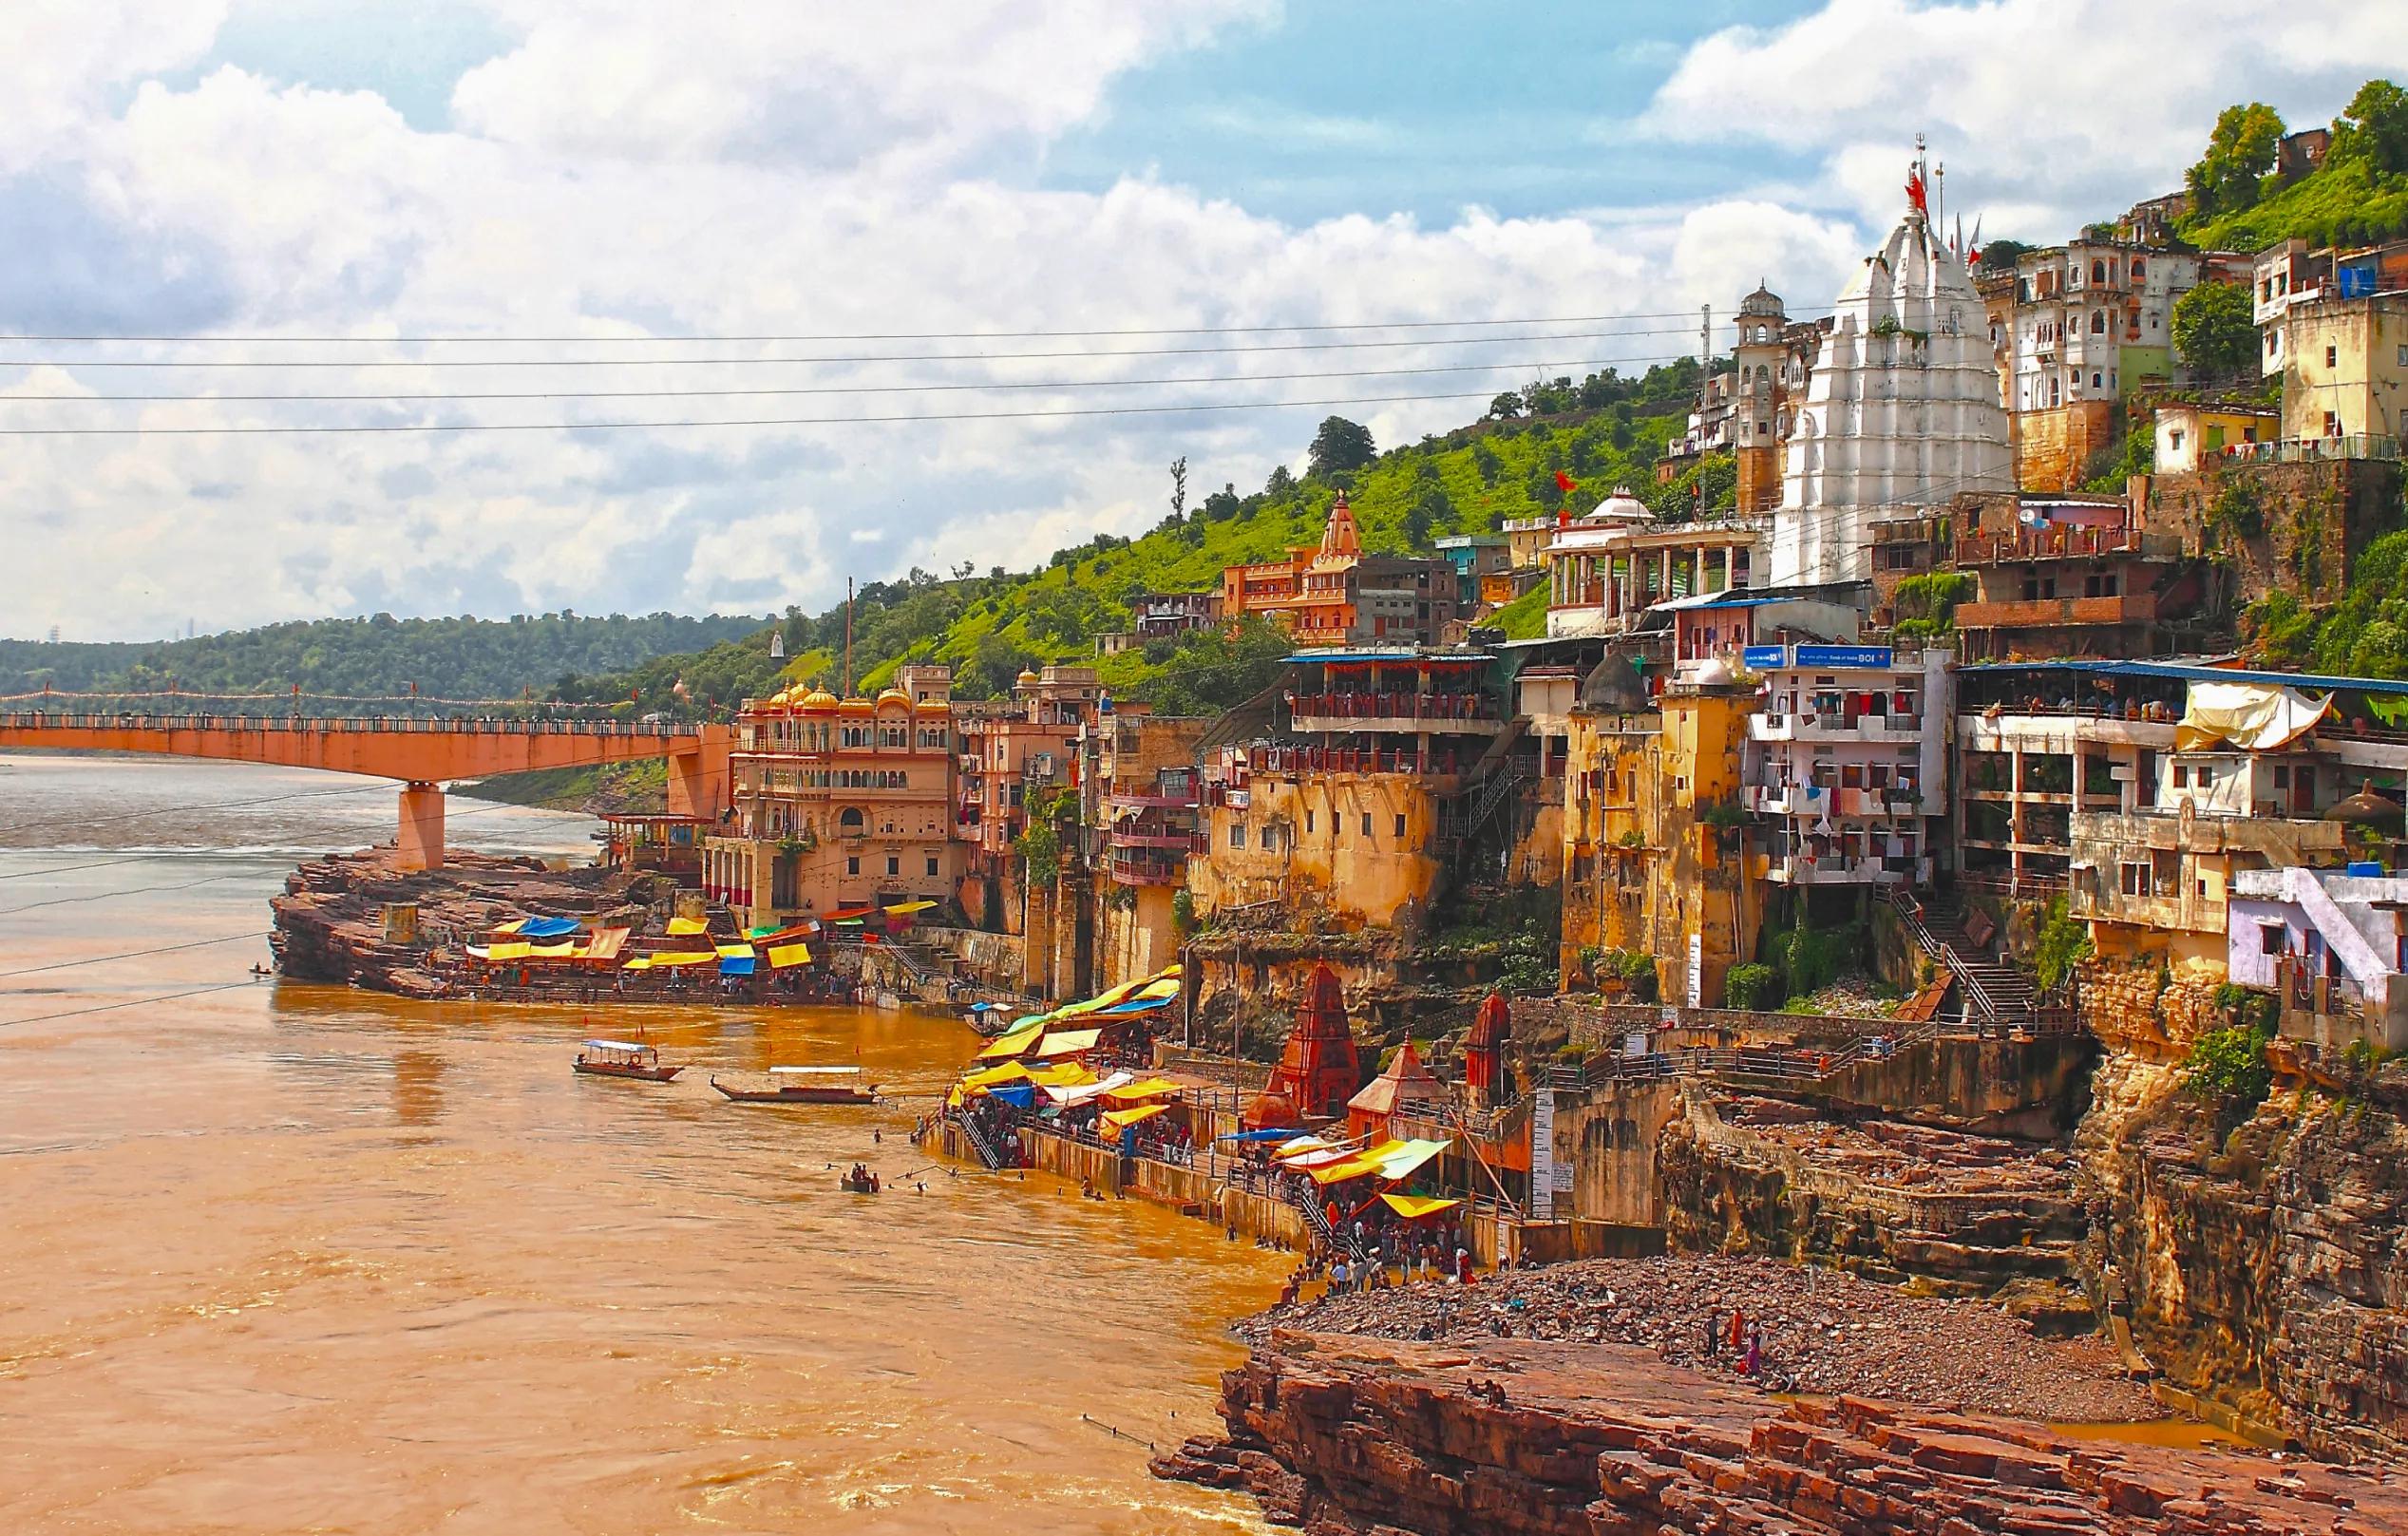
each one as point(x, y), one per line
point(1340, 445)
point(1222, 505)
point(1505, 407)
point(2214, 332)
point(2372, 129)
point(1280, 483)
point(2241, 150)
point(2002, 256)
point(1179, 488)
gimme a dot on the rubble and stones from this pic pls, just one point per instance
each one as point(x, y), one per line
point(1823, 1331)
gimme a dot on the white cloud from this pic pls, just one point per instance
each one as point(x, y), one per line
point(2059, 111)
point(634, 170)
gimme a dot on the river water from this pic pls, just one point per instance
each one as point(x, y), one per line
point(293, 1258)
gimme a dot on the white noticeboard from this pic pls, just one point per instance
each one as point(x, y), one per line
point(1697, 970)
point(1543, 1178)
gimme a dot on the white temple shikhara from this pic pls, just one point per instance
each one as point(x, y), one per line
point(1903, 410)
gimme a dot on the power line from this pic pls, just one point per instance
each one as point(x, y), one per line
point(107, 896)
point(840, 388)
point(130, 1002)
point(852, 358)
point(754, 421)
point(135, 953)
point(211, 805)
point(880, 336)
point(68, 869)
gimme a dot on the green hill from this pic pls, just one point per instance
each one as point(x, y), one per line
point(1603, 432)
point(2360, 193)
point(458, 658)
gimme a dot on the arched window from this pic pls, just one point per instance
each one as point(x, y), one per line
point(852, 822)
point(2140, 269)
point(2098, 272)
point(2099, 322)
point(1764, 375)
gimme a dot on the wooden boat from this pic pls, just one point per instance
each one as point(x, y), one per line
point(806, 1085)
point(618, 1058)
point(856, 1187)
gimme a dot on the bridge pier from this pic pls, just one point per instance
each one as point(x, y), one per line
point(421, 839)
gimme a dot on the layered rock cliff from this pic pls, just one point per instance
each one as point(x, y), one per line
point(1343, 1436)
point(2263, 1265)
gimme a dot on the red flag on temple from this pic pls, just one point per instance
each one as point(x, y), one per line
point(1564, 483)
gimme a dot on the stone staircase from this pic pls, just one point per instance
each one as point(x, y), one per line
point(1996, 993)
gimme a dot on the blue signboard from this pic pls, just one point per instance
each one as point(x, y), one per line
point(1764, 658)
point(1843, 655)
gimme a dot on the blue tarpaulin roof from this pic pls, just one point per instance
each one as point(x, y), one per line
point(1143, 1005)
point(738, 967)
point(1264, 1136)
point(2192, 672)
point(548, 928)
point(1019, 1095)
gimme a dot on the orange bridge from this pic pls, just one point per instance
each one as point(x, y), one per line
point(422, 753)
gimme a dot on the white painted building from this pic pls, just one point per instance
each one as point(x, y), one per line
point(1606, 569)
point(1849, 756)
point(1902, 411)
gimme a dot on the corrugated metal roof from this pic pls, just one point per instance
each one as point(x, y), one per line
point(2193, 671)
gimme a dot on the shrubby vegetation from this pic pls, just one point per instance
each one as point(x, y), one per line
point(2359, 193)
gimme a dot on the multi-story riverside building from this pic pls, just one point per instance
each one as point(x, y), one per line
point(1849, 754)
point(838, 802)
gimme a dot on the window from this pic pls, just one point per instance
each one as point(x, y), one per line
point(2270, 936)
point(2096, 379)
point(1308, 823)
point(1400, 825)
point(852, 823)
point(2098, 272)
point(1367, 824)
point(2332, 425)
point(2332, 357)
point(894, 864)
point(2133, 879)
point(932, 866)
point(1237, 834)
point(853, 865)
point(2099, 322)
point(2174, 439)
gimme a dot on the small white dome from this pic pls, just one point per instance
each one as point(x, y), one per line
point(1711, 673)
point(1622, 507)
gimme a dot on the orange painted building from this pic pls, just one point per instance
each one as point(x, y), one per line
point(1014, 750)
point(839, 802)
point(1336, 594)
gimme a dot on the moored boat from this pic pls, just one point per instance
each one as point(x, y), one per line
point(619, 1058)
point(806, 1085)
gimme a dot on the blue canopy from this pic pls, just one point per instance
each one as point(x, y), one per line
point(986, 1008)
point(1143, 1005)
point(548, 928)
point(1018, 1095)
point(732, 966)
point(1263, 1135)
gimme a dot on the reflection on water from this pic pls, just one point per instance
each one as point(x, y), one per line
point(283, 1257)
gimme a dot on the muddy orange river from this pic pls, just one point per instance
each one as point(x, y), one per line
point(280, 1257)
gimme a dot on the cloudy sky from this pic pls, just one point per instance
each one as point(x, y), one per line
point(580, 187)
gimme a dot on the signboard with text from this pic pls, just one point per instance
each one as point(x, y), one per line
point(1844, 656)
point(1765, 657)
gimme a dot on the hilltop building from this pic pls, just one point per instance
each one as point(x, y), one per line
point(1338, 595)
point(1901, 413)
point(1606, 569)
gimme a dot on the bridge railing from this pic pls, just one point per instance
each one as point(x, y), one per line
point(339, 725)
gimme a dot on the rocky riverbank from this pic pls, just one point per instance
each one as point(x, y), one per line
point(1346, 1436)
point(1822, 1332)
point(331, 924)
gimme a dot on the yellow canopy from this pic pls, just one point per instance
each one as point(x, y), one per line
point(687, 926)
point(1122, 1119)
point(736, 952)
point(1062, 1074)
point(686, 956)
point(565, 949)
point(510, 951)
point(904, 909)
point(1013, 1044)
point(1413, 1207)
point(1389, 1160)
point(781, 956)
point(641, 962)
point(1068, 1043)
point(1010, 1071)
point(1152, 1088)
point(953, 1100)
point(1168, 987)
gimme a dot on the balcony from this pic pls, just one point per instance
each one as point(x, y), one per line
point(1151, 802)
point(1451, 713)
point(1835, 869)
point(2063, 544)
point(1175, 841)
point(2059, 613)
point(1136, 866)
point(1876, 729)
